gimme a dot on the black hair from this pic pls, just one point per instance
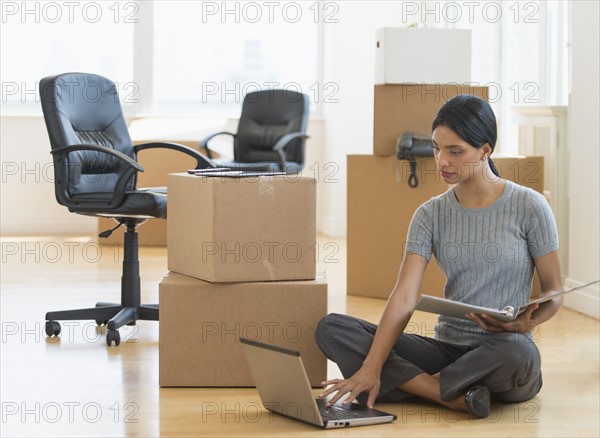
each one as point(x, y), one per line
point(472, 119)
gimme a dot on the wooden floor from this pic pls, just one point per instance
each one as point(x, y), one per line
point(79, 387)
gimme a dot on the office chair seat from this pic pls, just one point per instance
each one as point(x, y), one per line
point(151, 201)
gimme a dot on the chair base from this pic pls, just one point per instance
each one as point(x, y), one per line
point(113, 315)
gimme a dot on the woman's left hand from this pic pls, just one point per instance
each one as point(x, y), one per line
point(524, 323)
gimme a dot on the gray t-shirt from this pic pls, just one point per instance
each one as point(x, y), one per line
point(486, 254)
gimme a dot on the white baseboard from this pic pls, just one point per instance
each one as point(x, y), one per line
point(586, 301)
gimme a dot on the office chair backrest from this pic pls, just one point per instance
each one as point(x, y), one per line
point(81, 108)
point(266, 117)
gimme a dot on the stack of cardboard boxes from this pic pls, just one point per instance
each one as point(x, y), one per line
point(242, 258)
point(380, 201)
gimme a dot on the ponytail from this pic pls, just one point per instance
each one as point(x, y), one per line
point(493, 167)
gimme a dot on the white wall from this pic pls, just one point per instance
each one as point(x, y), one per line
point(27, 202)
point(584, 162)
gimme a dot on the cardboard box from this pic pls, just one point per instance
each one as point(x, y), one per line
point(422, 55)
point(157, 164)
point(381, 205)
point(411, 108)
point(242, 229)
point(201, 322)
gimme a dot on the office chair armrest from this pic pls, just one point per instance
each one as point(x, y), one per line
point(202, 161)
point(91, 147)
point(203, 144)
point(284, 141)
point(83, 205)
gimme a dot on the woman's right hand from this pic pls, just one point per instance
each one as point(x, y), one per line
point(366, 379)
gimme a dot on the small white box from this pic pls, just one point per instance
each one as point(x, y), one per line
point(420, 55)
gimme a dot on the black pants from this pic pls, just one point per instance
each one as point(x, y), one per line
point(507, 363)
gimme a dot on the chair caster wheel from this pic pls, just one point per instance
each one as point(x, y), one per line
point(101, 322)
point(113, 335)
point(52, 328)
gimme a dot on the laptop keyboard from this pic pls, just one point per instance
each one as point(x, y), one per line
point(338, 413)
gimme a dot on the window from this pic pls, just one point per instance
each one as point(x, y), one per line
point(39, 39)
point(203, 57)
point(519, 50)
point(210, 54)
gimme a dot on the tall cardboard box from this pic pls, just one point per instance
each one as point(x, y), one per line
point(381, 205)
point(157, 164)
point(411, 108)
point(422, 55)
point(242, 229)
point(201, 323)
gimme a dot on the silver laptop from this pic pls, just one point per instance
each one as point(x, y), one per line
point(283, 386)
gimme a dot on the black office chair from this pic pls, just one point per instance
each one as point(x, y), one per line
point(95, 172)
point(271, 133)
